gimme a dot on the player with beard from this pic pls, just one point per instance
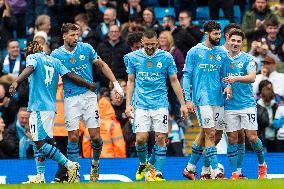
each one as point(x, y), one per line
point(148, 68)
point(81, 103)
point(204, 70)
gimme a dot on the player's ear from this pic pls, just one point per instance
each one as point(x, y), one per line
point(64, 36)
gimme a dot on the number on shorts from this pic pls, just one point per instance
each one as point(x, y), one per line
point(251, 117)
point(97, 114)
point(165, 120)
point(49, 71)
point(32, 128)
point(216, 116)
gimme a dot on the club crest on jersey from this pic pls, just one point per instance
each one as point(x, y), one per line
point(211, 56)
point(149, 64)
point(82, 57)
point(218, 58)
point(240, 65)
point(232, 65)
point(159, 65)
point(72, 60)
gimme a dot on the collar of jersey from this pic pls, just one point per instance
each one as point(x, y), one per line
point(143, 50)
point(235, 57)
point(68, 52)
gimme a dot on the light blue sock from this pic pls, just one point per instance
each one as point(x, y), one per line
point(232, 153)
point(73, 151)
point(206, 162)
point(160, 155)
point(53, 153)
point(196, 154)
point(211, 154)
point(258, 149)
point(152, 159)
point(97, 149)
point(241, 153)
point(40, 161)
point(142, 152)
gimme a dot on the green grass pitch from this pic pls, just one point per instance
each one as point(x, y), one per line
point(210, 184)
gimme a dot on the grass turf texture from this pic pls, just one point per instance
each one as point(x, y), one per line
point(218, 184)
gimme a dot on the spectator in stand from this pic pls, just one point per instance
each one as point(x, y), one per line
point(227, 7)
point(95, 11)
point(166, 42)
point(150, 22)
point(131, 8)
point(253, 21)
point(133, 25)
point(278, 123)
point(19, 10)
point(8, 24)
point(269, 73)
point(9, 147)
point(268, 133)
point(41, 38)
point(134, 40)
point(186, 35)
point(280, 54)
point(110, 19)
point(88, 35)
point(169, 23)
point(112, 51)
point(14, 63)
point(8, 106)
point(279, 12)
point(260, 50)
point(273, 40)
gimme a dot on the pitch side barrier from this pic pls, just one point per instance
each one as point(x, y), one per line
point(123, 170)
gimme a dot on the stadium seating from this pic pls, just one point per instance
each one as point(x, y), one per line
point(23, 43)
point(202, 13)
point(160, 12)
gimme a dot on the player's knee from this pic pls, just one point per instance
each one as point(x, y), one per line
point(73, 138)
point(241, 137)
point(39, 144)
point(210, 134)
point(232, 138)
point(218, 136)
point(95, 137)
point(140, 140)
point(161, 139)
point(253, 138)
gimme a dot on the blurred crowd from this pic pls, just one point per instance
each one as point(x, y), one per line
point(114, 28)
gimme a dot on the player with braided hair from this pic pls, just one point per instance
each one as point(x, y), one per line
point(43, 71)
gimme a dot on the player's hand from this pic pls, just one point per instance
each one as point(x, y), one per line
point(118, 88)
point(13, 88)
point(129, 112)
point(92, 86)
point(230, 79)
point(184, 111)
point(228, 92)
point(190, 106)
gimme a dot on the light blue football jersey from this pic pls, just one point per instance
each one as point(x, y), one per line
point(243, 96)
point(151, 74)
point(78, 61)
point(204, 70)
point(43, 81)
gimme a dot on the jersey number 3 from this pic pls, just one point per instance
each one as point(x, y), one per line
point(49, 71)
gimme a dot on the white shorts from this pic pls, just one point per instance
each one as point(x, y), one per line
point(241, 119)
point(151, 120)
point(211, 117)
point(85, 107)
point(41, 124)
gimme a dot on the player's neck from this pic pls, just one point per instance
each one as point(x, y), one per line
point(208, 44)
point(226, 45)
point(233, 54)
point(68, 48)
